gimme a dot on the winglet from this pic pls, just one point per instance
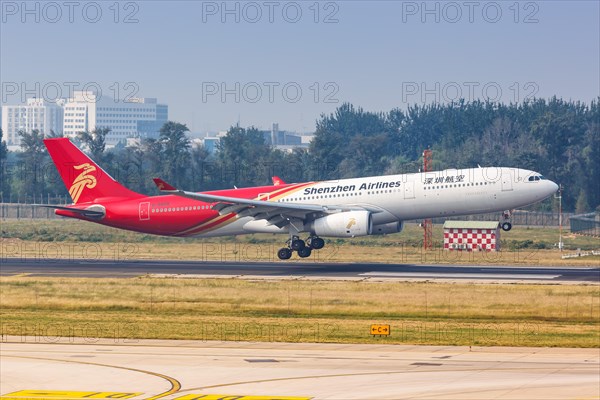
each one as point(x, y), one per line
point(162, 185)
point(277, 181)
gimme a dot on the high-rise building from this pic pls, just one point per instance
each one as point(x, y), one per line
point(35, 114)
point(125, 119)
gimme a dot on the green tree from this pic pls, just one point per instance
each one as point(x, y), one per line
point(243, 157)
point(367, 156)
point(30, 181)
point(558, 138)
point(95, 141)
point(582, 205)
point(175, 147)
point(201, 161)
point(340, 145)
point(297, 166)
point(128, 168)
point(4, 186)
point(591, 154)
point(150, 152)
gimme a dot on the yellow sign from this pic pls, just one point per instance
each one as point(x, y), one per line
point(63, 394)
point(235, 397)
point(382, 330)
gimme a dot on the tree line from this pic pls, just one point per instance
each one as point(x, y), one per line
point(559, 138)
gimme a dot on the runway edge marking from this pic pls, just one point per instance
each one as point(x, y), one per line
point(237, 397)
point(66, 394)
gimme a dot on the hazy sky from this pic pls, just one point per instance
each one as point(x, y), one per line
point(288, 62)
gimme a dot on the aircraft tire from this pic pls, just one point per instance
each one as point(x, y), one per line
point(297, 244)
point(304, 252)
point(317, 243)
point(284, 253)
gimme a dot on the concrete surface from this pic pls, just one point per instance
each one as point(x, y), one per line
point(167, 369)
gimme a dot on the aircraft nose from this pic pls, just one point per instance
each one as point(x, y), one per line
point(553, 187)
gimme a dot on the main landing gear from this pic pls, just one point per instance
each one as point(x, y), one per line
point(304, 249)
point(506, 225)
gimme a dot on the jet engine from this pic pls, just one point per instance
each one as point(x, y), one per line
point(344, 224)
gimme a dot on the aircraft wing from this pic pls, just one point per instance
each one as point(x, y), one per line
point(276, 213)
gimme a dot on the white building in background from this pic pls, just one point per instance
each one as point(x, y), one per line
point(35, 114)
point(138, 117)
point(281, 140)
point(285, 140)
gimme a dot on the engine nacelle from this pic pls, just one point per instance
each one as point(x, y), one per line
point(344, 224)
point(391, 227)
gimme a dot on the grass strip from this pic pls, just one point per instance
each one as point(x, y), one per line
point(300, 311)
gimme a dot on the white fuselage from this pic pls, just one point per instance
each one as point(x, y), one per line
point(396, 198)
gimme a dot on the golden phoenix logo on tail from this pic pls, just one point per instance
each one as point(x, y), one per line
point(83, 180)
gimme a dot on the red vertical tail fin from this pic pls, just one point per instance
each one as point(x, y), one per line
point(84, 179)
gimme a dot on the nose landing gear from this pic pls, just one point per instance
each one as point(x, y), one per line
point(506, 225)
point(304, 249)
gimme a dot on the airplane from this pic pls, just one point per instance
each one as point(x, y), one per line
point(336, 208)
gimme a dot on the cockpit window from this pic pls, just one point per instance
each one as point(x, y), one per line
point(535, 178)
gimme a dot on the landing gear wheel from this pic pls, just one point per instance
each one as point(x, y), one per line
point(506, 226)
point(304, 252)
point(316, 243)
point(297, 244)
point(284, 253)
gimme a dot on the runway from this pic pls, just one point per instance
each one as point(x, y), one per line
point(153, 369)
point(294, 270)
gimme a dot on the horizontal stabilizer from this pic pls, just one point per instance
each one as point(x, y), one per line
point(90, 213)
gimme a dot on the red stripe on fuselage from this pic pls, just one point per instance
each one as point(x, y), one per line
point(178, 221)
point(209, 225)
point(219, 221)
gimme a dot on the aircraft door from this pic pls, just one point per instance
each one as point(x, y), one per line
point(507, 180)
point(144, 211)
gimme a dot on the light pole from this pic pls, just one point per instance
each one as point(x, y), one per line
point(559, 197)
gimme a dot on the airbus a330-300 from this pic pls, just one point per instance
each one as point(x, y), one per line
point(339, 208)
